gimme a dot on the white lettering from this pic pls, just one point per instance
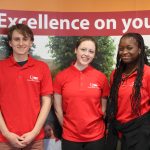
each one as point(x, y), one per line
point(126, 24)
point(45, 21)
point(40, 21)
point(99, 24)
point(64, 22)
point(109, 22)
point(2, 20)
point(53, 24)
point(137, 23)
point(73, 24)
point(146, 23)
point(12, 21)
point(84, 24)
point(22, 20)
point(32, 23)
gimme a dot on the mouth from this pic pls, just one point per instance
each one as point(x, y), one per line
point(21, 48)
point(85, 59)
point(125, 57)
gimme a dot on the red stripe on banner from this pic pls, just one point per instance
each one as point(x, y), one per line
point(78, 23)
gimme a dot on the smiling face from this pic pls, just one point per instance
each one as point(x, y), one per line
point(85, 53)
point(129, 50)
point(20, 44)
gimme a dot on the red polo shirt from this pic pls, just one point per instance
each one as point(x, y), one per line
point(20, 90)
point(124, 102)
point(81, 93)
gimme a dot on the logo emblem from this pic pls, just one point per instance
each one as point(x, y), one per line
point(93, 86)
point(33, 78)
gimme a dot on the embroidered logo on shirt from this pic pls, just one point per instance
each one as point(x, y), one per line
point(93, 86)
point(33, 78)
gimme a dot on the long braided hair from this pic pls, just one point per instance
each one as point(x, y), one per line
point(120, 66)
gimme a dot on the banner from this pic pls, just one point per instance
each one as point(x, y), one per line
point(57, 24)
point(78, 23)
point(53, 19)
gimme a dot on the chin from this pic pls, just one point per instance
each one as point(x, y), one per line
point(85, 64)
point(22, 53)
point(126, 61)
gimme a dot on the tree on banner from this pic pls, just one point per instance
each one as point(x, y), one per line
point(148, 54)
point(62, 50)
point(4, 47)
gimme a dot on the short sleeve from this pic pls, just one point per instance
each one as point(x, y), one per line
point(57, 84)
point(46, 83)
point(147, 79)
point(111, 77)
point(106, 88)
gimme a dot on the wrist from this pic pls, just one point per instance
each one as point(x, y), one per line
point(6, 133)
point(35, 132)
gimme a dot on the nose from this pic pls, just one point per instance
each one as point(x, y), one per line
point(86, 52)
point(21, 42)
point(125, 51)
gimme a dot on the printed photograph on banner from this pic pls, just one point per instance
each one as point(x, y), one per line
point(58, 51)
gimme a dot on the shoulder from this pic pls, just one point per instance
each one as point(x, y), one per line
point(5, 61)
point(112, 76)
point(98, 73)
point(112, 73)
point(64, 72)
point(146, 70)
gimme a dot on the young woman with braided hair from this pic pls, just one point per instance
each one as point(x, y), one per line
point(129, 103)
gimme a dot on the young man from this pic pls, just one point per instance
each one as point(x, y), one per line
point(25, 89)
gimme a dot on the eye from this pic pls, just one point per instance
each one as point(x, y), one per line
point(83, 49)
point(16, 39)
point(92, 51)
point(129, 47)
point(25, 38)
point(121, 48)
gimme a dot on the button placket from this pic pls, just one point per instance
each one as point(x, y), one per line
point(20, 73)
point(81, 81)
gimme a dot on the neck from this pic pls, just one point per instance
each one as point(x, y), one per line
point(80, 67)
point(131, 66)
point(20, 58)
point(129, 69)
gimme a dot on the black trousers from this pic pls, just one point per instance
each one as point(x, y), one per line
point(135, 134)
point(94, 145)
point(138, 139)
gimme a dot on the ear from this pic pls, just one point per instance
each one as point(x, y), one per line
point(75, 51)
point(139, 51)
point(31, 44)
point(10, 44)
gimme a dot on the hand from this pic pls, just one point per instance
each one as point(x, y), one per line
point(104, 115)
point(15, 140)
point(28, 138)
